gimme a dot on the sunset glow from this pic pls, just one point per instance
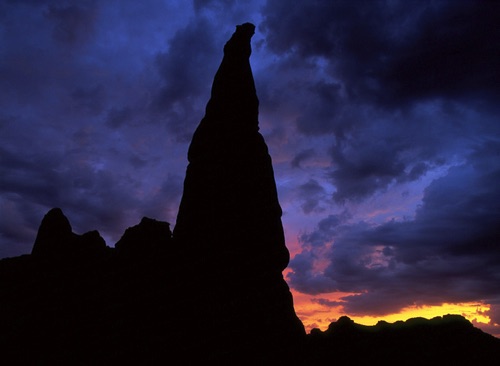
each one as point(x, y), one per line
point(318, 314)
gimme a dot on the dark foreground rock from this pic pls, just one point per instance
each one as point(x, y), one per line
point(144, 241)
point(57, 241)
point(120, 312)
point(448, 340)
point(139, 303)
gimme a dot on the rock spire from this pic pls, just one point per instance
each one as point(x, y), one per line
point(230, 203)
point(57, 241)
point(229, 231)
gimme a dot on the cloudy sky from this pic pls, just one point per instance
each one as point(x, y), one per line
point(381, 118)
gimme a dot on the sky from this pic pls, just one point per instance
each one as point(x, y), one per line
point(381, 118)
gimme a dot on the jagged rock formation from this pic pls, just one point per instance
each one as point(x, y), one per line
point(147, 239)
point(60, 306)
point(229, 226)
point(447, 340)
point(56, 240)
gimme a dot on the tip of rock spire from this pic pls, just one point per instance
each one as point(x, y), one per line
point(247, 29)
point(239, 44)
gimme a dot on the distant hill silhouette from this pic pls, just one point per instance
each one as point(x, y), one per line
point(447, 340)
point(211, 292)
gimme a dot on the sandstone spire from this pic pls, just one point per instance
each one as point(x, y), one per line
point(229, 234)
point(57, 241)
point(230, 204)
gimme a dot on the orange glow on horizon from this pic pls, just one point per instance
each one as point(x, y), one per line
point(317, 314)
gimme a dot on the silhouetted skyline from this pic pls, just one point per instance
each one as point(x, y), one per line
point(382, 121)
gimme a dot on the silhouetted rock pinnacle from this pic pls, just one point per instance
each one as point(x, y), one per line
point(53, 235)
point(230, 203)
point(229, 230)
point(56, 240)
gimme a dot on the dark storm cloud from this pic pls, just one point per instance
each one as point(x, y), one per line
point(185, 67)
point(364, 169)
point(212, 4)
point(301, 157)
point(22, 175)
point(34, 181)
point(89, 100)
point(326, 302)
point(494, 312)
point(397, 52)
point(388, 148)
point(41, 45)
point(91, 198)
point(16, 231)
point(72, 23)
point(312, 193)
point(305, 279)
point(186, 70)
point(117, 117)
point(389, 81)
point(448, 253)
point(320, 111)
point(327, 229)
point(51, 179)
point(297, 88)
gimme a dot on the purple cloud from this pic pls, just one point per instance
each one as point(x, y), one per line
point(448, 253)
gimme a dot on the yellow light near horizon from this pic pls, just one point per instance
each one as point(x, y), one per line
point(470, 311)
point(315, 314)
